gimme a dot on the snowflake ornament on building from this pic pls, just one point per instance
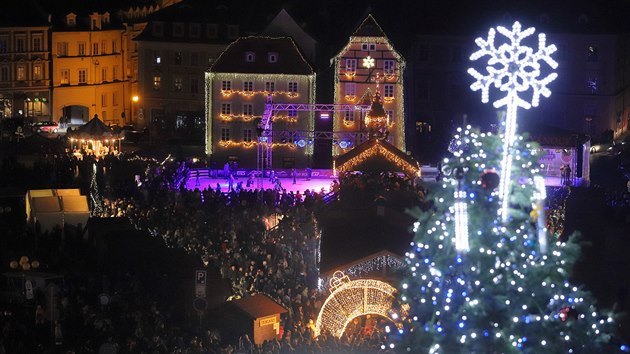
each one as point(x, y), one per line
point(514, 69)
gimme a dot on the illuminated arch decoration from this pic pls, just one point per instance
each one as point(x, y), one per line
point(350, 299)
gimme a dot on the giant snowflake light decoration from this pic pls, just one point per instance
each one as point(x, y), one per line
point(514, 69)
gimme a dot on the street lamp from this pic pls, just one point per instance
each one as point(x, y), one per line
point(134, 100)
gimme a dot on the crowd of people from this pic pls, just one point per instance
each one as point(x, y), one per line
point(226, 229)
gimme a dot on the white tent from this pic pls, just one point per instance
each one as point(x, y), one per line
point(52, 207)
point(47, 212)
point(75, 209)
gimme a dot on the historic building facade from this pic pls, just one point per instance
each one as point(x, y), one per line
point(25, 70)
point(368, 62)
point(175, 49)
point(90, 69)
point(238, 85)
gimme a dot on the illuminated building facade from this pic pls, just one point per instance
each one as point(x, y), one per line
point(238, 85)
point(177, 46)
point(369, 57)
point(90, 70)
point(24, 66)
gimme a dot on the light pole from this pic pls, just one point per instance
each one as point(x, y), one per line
point(134, 101)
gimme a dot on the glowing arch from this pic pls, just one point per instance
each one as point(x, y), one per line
point(353, 299)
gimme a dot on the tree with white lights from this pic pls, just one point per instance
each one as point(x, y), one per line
point(501, 290)
point(484, 276)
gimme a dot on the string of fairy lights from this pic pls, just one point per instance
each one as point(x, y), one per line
point(378, 149)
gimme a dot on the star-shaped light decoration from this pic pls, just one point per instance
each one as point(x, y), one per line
point(368, 62)
point(514, 69)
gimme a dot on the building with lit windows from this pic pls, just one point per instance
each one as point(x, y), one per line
point(238, 85)
point(89, 69)
point(367, 59)
point(177, 46)
point(25, 65)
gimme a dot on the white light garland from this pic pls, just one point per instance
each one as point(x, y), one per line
point(513, 69)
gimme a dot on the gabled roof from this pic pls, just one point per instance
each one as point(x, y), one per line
point(258, 305)
point(369, 28)
point(377, 155)
point(289, 59)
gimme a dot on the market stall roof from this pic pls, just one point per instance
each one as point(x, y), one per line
point(94, 129)
point(377, 155)
point(258, 305)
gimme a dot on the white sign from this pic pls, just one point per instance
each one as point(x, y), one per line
point(200, 283)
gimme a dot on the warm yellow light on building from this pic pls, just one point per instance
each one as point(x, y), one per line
point(135, 98)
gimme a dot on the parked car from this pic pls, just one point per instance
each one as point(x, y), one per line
point(46, 127)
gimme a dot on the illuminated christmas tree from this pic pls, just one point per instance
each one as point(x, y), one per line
point(484, 275)
point(503, 293)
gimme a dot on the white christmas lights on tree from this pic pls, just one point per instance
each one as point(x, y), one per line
point(514, 69)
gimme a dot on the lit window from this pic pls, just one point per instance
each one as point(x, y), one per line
point(250, 57)
point(157, 82)
point(248, 110)
point(65, 77)
point(270, 86)
point(388, 90)
point(272, 57)
point(293, 87)
point(157, 57)
point(390, 67)
point(226, 85)
point(226, 108)
point(248, 86)
point(178, 83)
point(225, 134)
point(247, 135)
point(82, 76)
point(21, 73)
point(348, 117)
point(37, 72)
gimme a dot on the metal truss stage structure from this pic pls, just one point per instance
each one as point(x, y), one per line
point(266, 134)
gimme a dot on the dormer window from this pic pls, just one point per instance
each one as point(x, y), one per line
point(106, 17)
point(250, 57)
point(272, 57)
point(95, 21)
point(71, 19)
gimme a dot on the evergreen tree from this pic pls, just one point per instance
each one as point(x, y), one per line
point(503, 294)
